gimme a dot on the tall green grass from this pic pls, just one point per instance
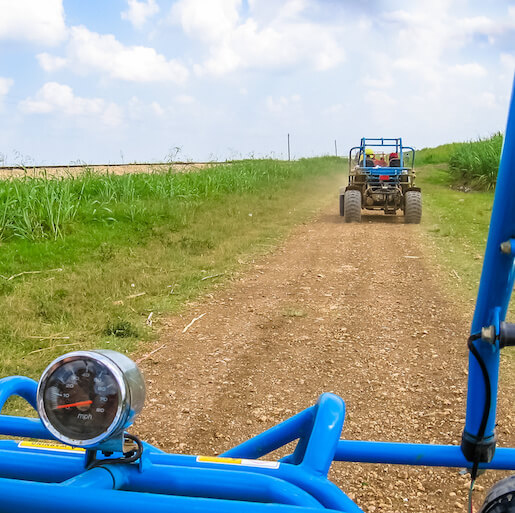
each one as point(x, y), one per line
point(473, 163)
point(438, 155)
point(476, 162)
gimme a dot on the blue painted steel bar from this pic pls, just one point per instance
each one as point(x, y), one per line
point(272, 438)
point(22, 496)
point(18, 385)
point(37, 464)
point(325, 434)
point(98, 478)
point(417, 454)
point(24, 426)
point(495, 289)
point(328, 494)
point(218, 483)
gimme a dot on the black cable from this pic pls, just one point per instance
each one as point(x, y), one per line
point(128, 457)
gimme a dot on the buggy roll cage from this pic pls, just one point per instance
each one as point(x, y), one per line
point(385, 143)
point(53, 478)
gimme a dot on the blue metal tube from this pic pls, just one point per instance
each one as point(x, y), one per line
point(215, 483)
point(417, 454)
point(24, 427)
point(37, 464)
point(272, 438)
point(328, 494)
point(495, 289)
point(324, 437)
point(98, 478)
point(18, 385)
point(22, 496)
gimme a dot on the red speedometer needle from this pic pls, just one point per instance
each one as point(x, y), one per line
point(79, 403)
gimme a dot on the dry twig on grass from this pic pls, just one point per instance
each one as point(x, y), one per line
point(192, 322)
point(132, 296)
point(52, 347)
point(50, 337)
point(212, 276)
point(59, 269)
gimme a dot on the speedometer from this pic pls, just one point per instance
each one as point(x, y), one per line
point(87, 397)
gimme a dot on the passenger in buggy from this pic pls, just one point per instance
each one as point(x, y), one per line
point(394, 160)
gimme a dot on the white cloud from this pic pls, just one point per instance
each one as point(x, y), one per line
point(508, 61)
point(5, 85)
point(139, 12)
point(184, 99)
point(378, 81)
point(59, 98)
point(278, 105)
point(379, 99)
point(89, 52)
point(139, 111)
point(157, 109)
point(36, 21)
point(470, 70)
point(50, 62)
point(209, 21)
point(282, 38)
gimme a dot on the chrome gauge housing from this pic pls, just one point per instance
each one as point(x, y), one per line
point(87, 398)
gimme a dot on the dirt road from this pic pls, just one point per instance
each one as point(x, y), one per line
point(358, 310)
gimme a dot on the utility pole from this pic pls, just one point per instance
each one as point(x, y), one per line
point(335, 149)
point(288, 147)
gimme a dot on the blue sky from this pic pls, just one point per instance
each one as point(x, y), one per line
point(142, 80)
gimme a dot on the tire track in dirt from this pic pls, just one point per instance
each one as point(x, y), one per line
point(357, 310)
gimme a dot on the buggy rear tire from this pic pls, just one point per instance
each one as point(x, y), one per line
point(342, 205)
point(413, 207)
point(352, 201)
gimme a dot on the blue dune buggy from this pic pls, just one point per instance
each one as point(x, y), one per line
point(381, 177)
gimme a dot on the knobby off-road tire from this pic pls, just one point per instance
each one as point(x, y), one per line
point(352, 206)
point(413, 207)
point(342, 205)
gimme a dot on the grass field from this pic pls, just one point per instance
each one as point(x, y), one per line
point(458, 223)
point(115, 253)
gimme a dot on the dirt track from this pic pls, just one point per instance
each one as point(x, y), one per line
point(357, 310)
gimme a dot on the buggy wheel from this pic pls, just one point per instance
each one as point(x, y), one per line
point(352, 206)
point(413, 207)
point(501, 497)
point(342, 205)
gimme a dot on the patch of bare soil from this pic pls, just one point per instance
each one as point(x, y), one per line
point(357, 310)
point(113, 169)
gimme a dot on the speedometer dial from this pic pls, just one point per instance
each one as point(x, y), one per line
point(86, 396)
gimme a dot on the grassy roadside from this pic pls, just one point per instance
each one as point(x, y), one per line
point(457, 222)
point(111, 277)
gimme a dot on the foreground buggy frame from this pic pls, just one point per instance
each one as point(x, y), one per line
point(386, 184)
point(53, 478)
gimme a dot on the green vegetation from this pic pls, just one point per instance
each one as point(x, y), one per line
point(109, 251)
point(438, 155)
point(476, 163)
point(458, 223)
point(473, 163)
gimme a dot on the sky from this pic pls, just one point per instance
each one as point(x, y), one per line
point(121, 81)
